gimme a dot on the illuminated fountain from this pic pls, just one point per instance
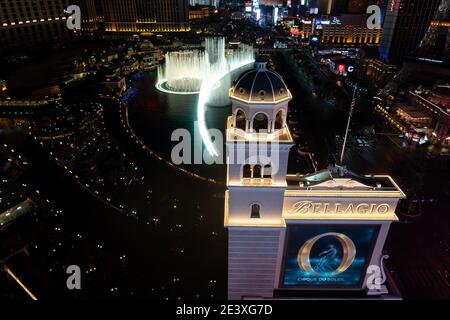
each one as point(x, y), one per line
point(206, 74)
point(184, 71)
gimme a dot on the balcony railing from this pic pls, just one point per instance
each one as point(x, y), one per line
point(236, 134)
point(257, 181)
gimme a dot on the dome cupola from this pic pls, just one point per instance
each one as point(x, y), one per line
point(260, 85)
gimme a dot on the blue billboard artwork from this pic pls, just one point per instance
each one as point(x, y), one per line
point(331, 256)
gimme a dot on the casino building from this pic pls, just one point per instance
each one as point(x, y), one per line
point(144, 16)
point(32, 23)
point(290, 235)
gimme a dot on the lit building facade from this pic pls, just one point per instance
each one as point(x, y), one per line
point(404, 26)
point(196, 13)
point(291, 234)
point(3, 89)
point(90, 17)
point(425, 111)
point(344, 34)
point(435, 45)
point(436, 105)
point(139, 16)
point(375, 72)
point(430, 59)
point(28, 22)
point(212, 3)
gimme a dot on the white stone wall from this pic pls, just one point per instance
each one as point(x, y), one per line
point(252, 262)
point(241, 200)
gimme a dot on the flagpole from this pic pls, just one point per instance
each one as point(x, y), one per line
point(348, 125)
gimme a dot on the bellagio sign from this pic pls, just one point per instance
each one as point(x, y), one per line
point(339, 208)
point(303, 207)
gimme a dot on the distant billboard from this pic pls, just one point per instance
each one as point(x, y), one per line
point(327, 256)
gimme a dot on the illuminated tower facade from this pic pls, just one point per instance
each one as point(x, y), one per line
point(258, 141)
point(431, 56)
point(436, 41)
point(291, 234)
point(404, 26)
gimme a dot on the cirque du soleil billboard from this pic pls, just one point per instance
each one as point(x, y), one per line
point(332, 256)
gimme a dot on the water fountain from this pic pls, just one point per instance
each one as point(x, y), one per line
point(206, 73)
point(185, 71)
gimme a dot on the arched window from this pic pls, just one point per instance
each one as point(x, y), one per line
point(247, 172)
point(267, 171)
point(255, 211)
point(279, 120)
point(257, 171)
point(260, 123)
point(240, 120)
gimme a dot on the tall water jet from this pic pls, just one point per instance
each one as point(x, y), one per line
point(185, 71)
point(215, 48)
point(238, 59)
point(177, 77)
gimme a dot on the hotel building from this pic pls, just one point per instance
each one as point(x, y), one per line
point(90, 17)
point(141, 16)
point(375, 72)
point(26, 23)
point(196, 13)
point(29, 22)
point(343, 30)
point(404, 26)
point(291, 235)
point(428, 112)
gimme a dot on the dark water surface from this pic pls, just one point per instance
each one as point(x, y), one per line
point(155, 115)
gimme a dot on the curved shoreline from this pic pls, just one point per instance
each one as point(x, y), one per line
point(126, 123)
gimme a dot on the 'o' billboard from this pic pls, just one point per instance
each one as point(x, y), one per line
point(327, 256)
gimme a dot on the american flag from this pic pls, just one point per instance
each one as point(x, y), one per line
point(353, 104)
